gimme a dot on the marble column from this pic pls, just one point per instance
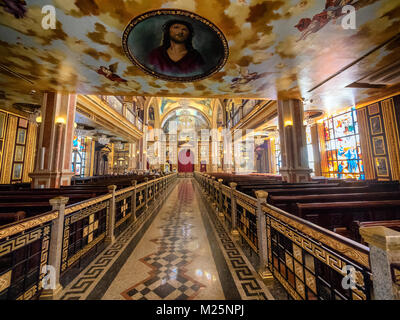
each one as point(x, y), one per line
point(263, 270)
point(55, 250)
point(293, 141)
point(315, 128)
point(384, 258)
point(53, 159)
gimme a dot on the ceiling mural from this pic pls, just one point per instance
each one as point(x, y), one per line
point(192, 48)
point(185, 119)
point(169, 104)
point(277, 49)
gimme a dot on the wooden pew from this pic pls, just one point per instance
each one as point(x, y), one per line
point(10, 217)
point(356, 225)
point(289, 203)
point(332, 215)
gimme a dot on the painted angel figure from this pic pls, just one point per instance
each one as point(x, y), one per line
point(244, 78)
point(110, 74)
point(332, 11)
point(15, 7)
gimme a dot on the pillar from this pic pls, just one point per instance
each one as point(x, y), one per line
point(53, 159)
point(234, 231)
point(110, 238)
point(384, 244)
point(293, 141)
point(133, 200)
point(262, 236)
point(55, 250)
point(315, 128)
point(220, 209)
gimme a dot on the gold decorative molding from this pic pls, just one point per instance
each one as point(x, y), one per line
point(369, 168)
point(24, 225)
point(340, 247)
point(8, 152)
point(5, 280)
point(246, 206)
point(82, 252)
point(392, 137)
point(85, 204)
point(251, 244)
point(29, 152)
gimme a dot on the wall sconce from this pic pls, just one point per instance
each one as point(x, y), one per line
point(60, 120)
point(39, 119)
point(288, 123)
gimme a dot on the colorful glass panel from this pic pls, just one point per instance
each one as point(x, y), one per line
point(343, 148)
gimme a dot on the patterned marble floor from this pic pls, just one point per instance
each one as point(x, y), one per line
point(184, 252)
point(173, 260)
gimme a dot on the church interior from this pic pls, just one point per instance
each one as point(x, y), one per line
point(200, 150)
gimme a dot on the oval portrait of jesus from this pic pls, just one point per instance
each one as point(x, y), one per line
point(175, 45)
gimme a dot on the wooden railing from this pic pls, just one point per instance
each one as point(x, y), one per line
point(69, 237)
point(310, 262)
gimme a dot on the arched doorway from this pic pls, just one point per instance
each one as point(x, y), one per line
point(186, 161)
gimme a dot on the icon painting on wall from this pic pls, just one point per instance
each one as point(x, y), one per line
point(175, 45)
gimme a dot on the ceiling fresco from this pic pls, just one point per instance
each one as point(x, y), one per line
point(169, 104)
point(277, 49)
point(185, 119)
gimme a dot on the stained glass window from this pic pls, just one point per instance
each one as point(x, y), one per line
point(343, 147)
point(78, 155)
point(310, 151)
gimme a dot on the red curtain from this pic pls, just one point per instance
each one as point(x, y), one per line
point(186, 161)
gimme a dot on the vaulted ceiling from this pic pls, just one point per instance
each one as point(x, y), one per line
point(277, 49)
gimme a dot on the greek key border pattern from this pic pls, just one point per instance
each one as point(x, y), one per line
point(336, 245)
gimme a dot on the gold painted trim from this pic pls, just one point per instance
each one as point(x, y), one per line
point(8, 151)
point(286, 285)
point(340, 247)
point(24, 225)
point(5, 280)
point(82, 252)
point(365, 142)
point(251, 244)
point(123, 220)
point(383, 144)
point(392, 137)
point(85, 204)
point(380, 125)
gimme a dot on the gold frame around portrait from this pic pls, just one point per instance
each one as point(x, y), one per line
point(176, 12)
point(373, 109)
point(3, 116)
point(17, 138)
point(386, 164)
point(20, 152)
point(380, 124)
point(13, 172)
point(374, 139)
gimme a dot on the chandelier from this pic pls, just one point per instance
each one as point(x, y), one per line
point(104, 140)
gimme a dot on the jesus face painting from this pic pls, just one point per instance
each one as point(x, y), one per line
point(175, 45)
point(176, 54)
